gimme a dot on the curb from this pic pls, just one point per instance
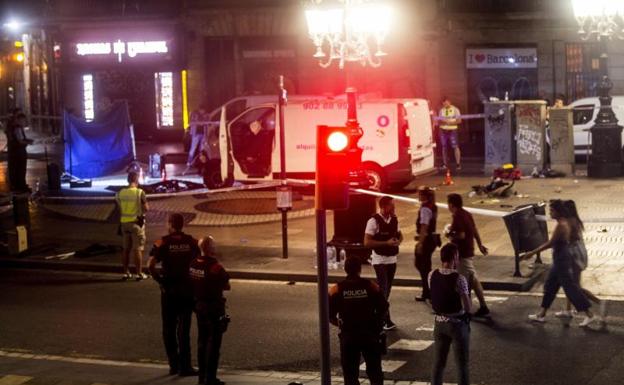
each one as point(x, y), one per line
point(17, 263)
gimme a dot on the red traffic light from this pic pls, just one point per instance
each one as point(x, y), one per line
point(337, 141)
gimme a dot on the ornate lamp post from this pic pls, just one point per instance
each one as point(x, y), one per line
point(603, 20)
point(348, 31)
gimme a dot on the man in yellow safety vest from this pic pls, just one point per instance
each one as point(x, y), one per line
point(449, 123)
point(132, 205)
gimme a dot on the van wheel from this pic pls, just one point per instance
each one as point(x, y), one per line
point(212, 180)
point(376, 177)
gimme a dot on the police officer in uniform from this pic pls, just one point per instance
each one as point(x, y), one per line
point(209, 280)
point(132, 204)
point(451, 303)
point(382, 234)
point(175, 252)
point(358, 307)
point(427, 238)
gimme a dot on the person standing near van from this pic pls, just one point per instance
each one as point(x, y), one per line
point(426, 237)
point(449, 124)
point(132, 204)
point(198, 121)
point(382, 234)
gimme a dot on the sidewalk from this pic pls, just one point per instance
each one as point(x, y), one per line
point(250, 243)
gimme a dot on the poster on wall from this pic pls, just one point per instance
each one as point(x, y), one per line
point(501, 58)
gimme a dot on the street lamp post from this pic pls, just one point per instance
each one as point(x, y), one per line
point(353, 31)
point(603, 20)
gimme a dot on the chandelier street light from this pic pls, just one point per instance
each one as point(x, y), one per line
point(348, 31)
point(603, 20)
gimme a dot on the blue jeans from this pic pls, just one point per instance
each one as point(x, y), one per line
point(448, 138)
point(562, 274)
point(385, 276)
point(446, 334)
point(194, 149)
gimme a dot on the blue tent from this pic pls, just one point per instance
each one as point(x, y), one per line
point(98, 148)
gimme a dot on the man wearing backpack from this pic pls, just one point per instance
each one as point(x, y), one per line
point(382, 234)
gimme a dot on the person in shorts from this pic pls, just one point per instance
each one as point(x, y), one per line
point(132, 204)
point(463, 233)
point(449, 124)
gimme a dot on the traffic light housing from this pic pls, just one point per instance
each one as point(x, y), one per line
point(338, 159)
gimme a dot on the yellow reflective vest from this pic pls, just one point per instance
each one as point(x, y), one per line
point(450, 112)
point(129, 201)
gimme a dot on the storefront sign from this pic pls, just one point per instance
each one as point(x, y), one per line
point(121, 48)
point(509, 58)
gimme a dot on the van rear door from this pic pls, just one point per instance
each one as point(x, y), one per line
point(421, 136)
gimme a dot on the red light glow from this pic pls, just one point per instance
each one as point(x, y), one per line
point(337, 141)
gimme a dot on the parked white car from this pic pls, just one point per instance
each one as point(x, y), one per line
point(583, 116)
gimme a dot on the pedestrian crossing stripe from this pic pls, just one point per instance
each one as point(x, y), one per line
point(424, 329)
point(412, 345)
point(12, 379)
point(387, 366)
point(495, 299)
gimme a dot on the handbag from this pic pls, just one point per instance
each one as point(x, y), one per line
point(579, 254)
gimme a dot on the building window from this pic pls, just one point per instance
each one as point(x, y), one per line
point(87, 97)
point(164, 99)
point(582, 70)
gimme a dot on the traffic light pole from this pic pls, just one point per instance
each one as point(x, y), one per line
point(323, 295)
point(282, 103)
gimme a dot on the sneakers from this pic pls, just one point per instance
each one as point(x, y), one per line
point(126, 277)
point(537, 318)
point(458, 168)
point(589, 320)
point(141, 276)
point(389, 326)
point(564, 314)
point(482, 312)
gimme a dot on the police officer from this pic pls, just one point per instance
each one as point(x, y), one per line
point(209, 280)
point(358, 307)
point(132, 205)
point(17, 155)
point(382, 234)
point(451, 303)
point(426, 236)
point(175, 252)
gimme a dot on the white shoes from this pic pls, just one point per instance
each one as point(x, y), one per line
point(537, 318)
point(588, 321)
point(564, 314)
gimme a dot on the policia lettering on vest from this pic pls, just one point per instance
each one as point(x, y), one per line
point(382, 234)
point(132, 206)
point(357, 306)
point(175, 252)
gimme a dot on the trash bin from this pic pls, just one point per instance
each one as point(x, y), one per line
point(525, 230)
point(349, 225)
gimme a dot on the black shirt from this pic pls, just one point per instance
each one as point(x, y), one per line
point(209, 280)
point(359, 304)
point(175, 252)
point(464, 223)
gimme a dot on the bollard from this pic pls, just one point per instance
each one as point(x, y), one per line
point(21, 212)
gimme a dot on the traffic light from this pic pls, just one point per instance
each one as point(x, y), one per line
point(338, 159)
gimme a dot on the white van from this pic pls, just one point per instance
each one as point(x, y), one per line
point(397, 141)
point(583, 116)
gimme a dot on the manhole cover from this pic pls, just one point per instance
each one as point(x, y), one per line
point(253, 206)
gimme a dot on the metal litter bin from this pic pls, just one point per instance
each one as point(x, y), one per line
point(526, 231)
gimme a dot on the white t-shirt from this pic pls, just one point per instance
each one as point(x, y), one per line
point(425, 216)
point(371, 229)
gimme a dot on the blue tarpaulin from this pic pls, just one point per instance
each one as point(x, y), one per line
point(98, 148)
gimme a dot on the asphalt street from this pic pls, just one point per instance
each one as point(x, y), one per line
point(275, 328)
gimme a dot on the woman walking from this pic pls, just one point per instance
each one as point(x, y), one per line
point(562, 272)
point(579, 261)
point(427, 238)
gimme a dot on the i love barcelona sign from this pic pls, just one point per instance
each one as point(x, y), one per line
point(501, 58)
